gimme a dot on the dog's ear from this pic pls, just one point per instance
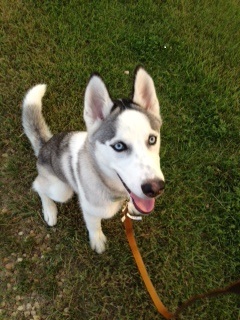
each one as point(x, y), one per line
point(97, 102)
point(144, 93)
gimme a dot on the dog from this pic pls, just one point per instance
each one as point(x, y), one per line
point(116, 158)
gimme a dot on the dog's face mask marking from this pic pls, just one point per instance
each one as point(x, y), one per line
point(126, 135)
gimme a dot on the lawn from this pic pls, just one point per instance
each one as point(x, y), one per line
point(191, 243)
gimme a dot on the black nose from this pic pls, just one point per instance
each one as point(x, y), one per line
point(153, 188)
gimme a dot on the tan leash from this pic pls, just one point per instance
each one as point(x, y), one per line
point(127, 220)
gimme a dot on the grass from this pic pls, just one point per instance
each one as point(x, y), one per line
point(191, 243)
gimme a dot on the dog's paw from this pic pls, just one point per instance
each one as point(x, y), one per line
point(50, 216)
point(98, 241)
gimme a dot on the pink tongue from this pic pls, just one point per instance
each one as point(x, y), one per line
point(143, 205)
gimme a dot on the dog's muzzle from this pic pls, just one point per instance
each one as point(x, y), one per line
point(151, 188)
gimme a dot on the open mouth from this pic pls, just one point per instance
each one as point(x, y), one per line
point(144, 206)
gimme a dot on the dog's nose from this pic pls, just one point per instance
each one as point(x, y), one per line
point(153, 188)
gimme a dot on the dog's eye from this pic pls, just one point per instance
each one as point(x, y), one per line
point(152, 140)
point(119, 146)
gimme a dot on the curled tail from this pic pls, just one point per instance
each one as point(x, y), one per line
point(33, 122)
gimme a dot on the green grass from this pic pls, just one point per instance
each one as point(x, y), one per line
point(191, 243)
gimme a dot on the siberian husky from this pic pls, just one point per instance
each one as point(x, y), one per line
point(117, 158)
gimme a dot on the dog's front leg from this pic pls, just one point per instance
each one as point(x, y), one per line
point(96, 236)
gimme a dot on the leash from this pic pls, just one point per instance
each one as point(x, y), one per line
point(127, 221)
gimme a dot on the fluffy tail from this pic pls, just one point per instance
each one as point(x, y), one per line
point(33, 122)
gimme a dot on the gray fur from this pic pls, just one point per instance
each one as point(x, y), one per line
point(107, 130)
point(70, 161)
point(52, 152)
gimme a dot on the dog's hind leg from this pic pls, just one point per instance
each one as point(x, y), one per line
point(51, 189)
point(49, 209)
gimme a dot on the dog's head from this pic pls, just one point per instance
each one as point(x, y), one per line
point(126, 137)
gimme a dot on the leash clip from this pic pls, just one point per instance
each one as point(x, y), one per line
point(126, 213)
point(133, 217)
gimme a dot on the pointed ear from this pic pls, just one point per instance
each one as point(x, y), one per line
point(144, 93)
point(97, 102)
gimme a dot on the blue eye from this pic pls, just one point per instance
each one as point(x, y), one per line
point(152, 140)
point(119, 146)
